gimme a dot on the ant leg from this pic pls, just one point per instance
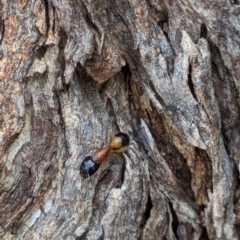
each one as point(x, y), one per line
point(117, 151)
point(110, 130)
point(89, 144)
point(109, 136)
point(103, 166)
point(121, 160)
point(90, 147)
point(104, 162)
point(101, 146)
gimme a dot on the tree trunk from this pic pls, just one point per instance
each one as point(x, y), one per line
point(74, 72)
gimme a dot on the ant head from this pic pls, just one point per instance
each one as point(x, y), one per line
point(120, 140)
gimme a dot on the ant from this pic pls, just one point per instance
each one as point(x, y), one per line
point(91, 164)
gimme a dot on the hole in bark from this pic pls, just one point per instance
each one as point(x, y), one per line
point(40, 52)
point(204, 32)
point(175, 221)
point(164, 26)
point(190, 83)
point(148, 207)
point(126, 71)
point(204, 235)
point(63, 40)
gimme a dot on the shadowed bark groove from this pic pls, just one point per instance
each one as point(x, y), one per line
point(165, 72)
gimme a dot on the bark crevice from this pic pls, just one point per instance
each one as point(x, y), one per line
point(164, 72)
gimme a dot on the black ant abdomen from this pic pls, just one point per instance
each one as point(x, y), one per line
point(88, 167)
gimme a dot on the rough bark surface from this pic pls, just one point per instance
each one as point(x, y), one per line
point(165, 72)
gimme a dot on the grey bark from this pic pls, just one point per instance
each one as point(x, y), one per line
point(165, 72)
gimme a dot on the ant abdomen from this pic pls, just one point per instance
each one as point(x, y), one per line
point(88, 167)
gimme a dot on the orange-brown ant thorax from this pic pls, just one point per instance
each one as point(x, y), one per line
point(101, 153)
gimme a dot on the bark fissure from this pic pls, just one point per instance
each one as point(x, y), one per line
point(74, 73)
point(190, 83)
point(147, 213)
point(47, 17)
point(175, 221)
point(2, 29)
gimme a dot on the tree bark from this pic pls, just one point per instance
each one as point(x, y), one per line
point(74, 72)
